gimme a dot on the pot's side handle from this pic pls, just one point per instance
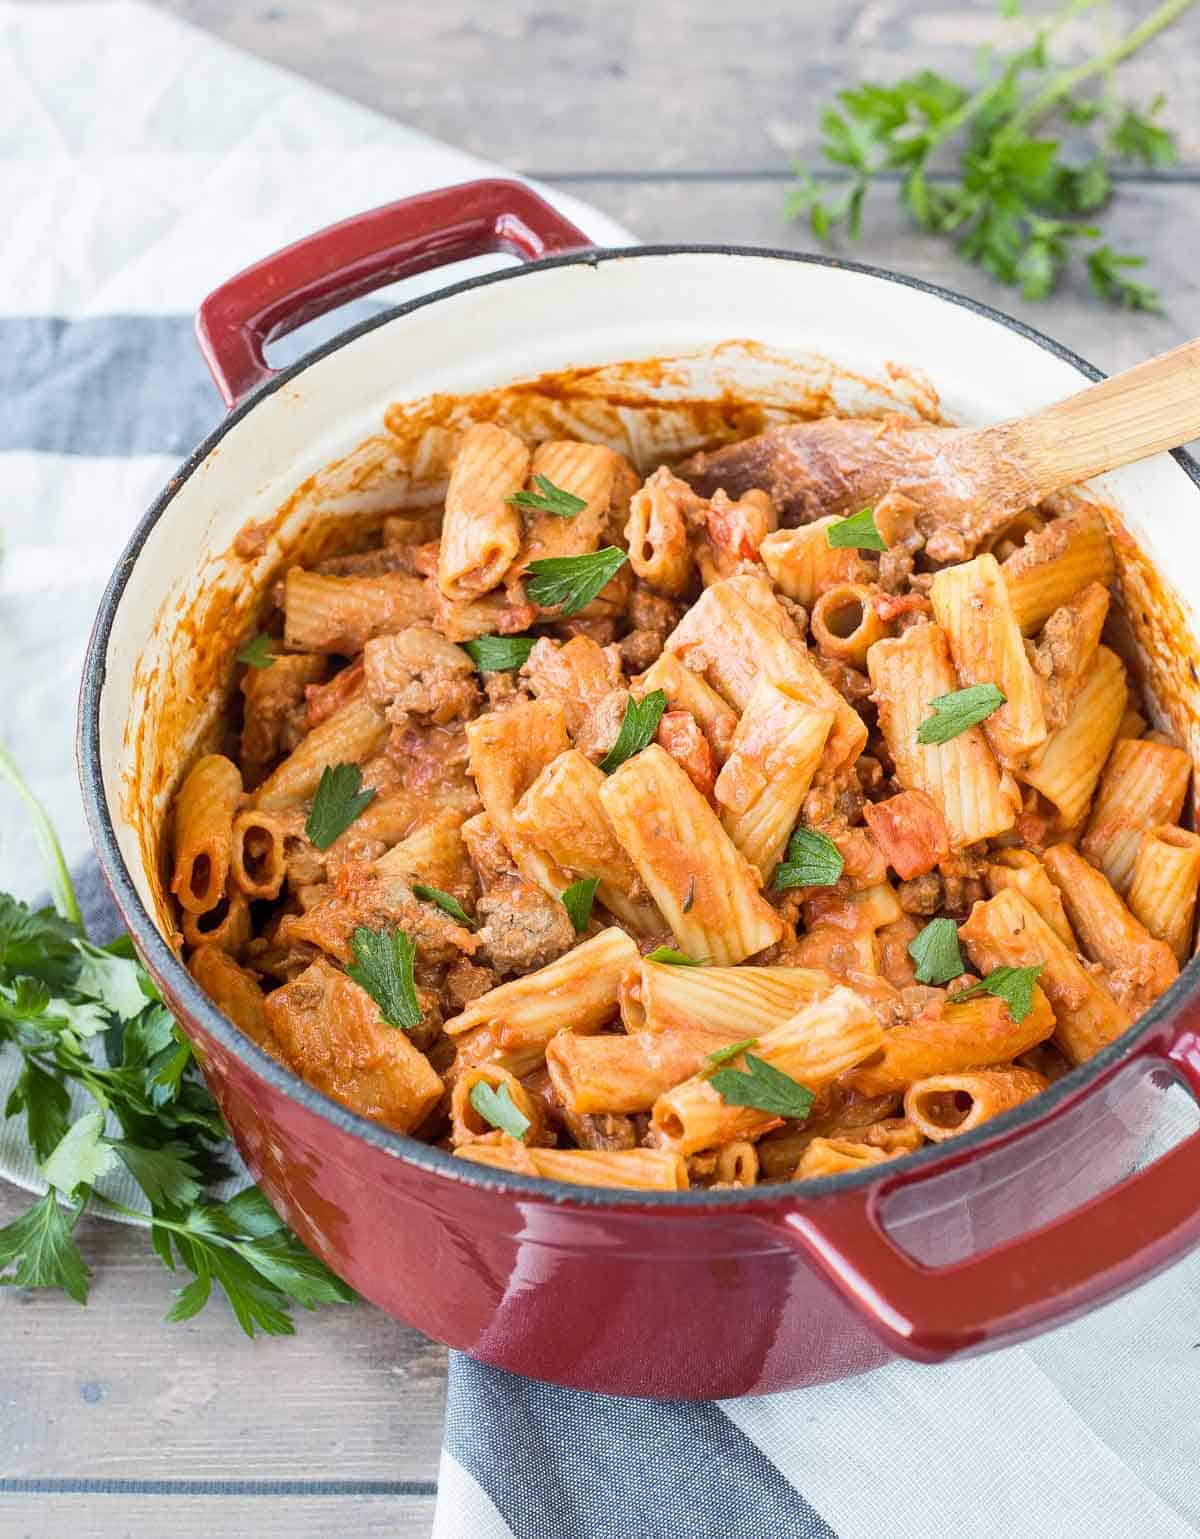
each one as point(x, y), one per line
point(1041, 1279)
point(351, 258)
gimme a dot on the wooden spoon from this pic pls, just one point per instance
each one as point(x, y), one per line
point(967, 482)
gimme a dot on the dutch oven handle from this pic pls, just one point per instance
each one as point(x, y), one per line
point(351, 258)
point(1041, 1279)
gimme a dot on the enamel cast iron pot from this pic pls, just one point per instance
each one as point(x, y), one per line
point(1039, 1216)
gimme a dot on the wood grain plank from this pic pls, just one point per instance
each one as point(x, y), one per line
point(1158, 218)
point(113, 1391)
point(201, 1517)
point(552, 85)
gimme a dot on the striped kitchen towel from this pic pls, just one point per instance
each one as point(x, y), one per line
point(141, 164)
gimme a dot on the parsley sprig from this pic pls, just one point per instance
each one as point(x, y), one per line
point(494, 654)
point(383, 965)
point(812, 860)
point(858, 532)
point(936, 952)
point(257, 652)
point(976, 164)
point(338, 802)
point(549, 499)
point(497, 1107)
point(959, 712)
point(638, 727)
point(88, 1019)
point(763, 1087)
point(570, 583)
point(1014, 985)
point(577, 899)
point(672, 958)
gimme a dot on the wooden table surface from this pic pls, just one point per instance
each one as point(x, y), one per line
point(680, 119)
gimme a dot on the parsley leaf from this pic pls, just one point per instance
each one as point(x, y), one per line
point(578, 899)
point(1109, 271)
point(168, 1174)
point(570, 583)
point(40, 1246)
point(724, 1054)
point(935, 950)
point(81, 1155)
point(257, 652)
point(337, 803)
point(674, 958)
point(384, 968)
point(1014, 985)
point(958, 712)
point(549, 499)
point(858, 532)
point(61, 998)
point(812, 860)
point(46, 1104)
point(493, 654)
point(446, 902)
point(972, 164)
point(764, 1088)
point(638, 727)
point(496, 1106)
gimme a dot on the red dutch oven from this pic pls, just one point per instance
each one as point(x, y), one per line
point(1034, 1219)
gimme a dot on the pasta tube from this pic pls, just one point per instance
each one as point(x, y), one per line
point(235, 992)
point(738, 633)
point(949, 1037)
point(563, 815)
point(803, 564)
point(638, 1169)
point(1055, 563)
point(481, 530)
point(226, 927)
point(341, 614)
point(330, 1031)
point(203, 833)
point(511, 1025)
point(657, 531)
point(775, 753)
point(586, 471)
point(1024, 871)
point(734, 1001)
point(622, 1073)
point(705, 889)
point(971, 604)
point(960, 776)
point(814, 1047)
point(1143, 783)
point(686, 691)
point(1162, 894)
point(945, 1105)
point(468, 1127)
point(508, 751)
point(845, 624)
point(1066, 767)
point(1007, 931)
point(835, 1156)
point(1141, 967)
point(348, 736)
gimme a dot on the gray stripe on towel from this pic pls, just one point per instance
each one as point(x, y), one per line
point(120, 385)
point(562, 1464)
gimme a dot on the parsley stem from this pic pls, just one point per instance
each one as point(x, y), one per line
point(61, 889)
point(1064, 83)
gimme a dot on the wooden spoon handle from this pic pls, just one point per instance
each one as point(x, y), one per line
point(1146, 409)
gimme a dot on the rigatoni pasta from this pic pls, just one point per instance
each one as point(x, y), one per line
point(597, 829)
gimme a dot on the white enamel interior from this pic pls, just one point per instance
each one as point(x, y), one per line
point(634, 307)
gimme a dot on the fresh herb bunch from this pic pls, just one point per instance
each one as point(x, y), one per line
point(976, 163)
point(62, 998)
